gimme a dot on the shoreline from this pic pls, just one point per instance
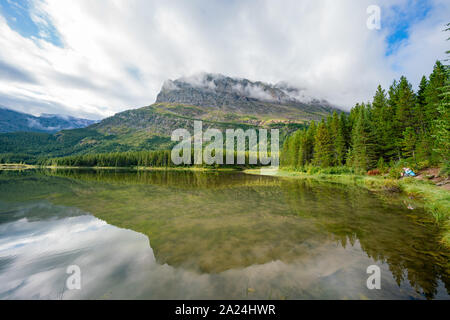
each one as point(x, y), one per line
point(436, 200)
point(14, 166)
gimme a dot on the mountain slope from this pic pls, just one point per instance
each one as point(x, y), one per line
point(13, 121)
point(220, 102)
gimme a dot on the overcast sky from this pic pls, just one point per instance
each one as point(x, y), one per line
point(94, 58)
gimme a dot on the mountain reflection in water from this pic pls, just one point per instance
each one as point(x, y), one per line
point(187, 235)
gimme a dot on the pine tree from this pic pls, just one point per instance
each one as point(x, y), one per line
point(302, 157)
point(442, 123)
point(309, 142)
point(346, 131)
point(421, 105)
point(340, 142)
point(381, 120)
point(284, 156)
point(363, 155)
point(390, 140)
point(404, 113)
point(295, 148)
point(433, 92)
point(409, 142)
point(423, 143)
point(336, 128)
point(323, 146)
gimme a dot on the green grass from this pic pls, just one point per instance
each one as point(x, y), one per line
point(437, 199)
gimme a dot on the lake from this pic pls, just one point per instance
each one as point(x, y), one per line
point(211, 235)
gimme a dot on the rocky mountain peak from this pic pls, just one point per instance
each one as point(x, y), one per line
point(207, 89)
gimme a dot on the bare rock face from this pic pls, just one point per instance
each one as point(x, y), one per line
point(238, 95)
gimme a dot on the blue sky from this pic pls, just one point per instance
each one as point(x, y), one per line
point(93, 59)
point(402, 18)
point(18, 15)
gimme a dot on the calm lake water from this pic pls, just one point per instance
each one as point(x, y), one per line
point(216, 235)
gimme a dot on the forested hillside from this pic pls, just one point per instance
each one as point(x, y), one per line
point(159, 158)
point(398, 126)
point(144, 129)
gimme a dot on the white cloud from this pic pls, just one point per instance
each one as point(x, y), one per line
point(253, 91)
point(198, 80)
point(117, 54)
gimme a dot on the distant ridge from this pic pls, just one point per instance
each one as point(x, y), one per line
point(14, 121)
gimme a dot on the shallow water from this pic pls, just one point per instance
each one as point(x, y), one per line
point(216, 235)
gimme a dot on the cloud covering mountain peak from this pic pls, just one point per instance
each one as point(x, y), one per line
point(281, 92)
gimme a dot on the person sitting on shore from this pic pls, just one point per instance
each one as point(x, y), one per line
point(407, 172)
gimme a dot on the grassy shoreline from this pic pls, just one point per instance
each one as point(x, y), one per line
point(16, 166)
point(436, 200)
